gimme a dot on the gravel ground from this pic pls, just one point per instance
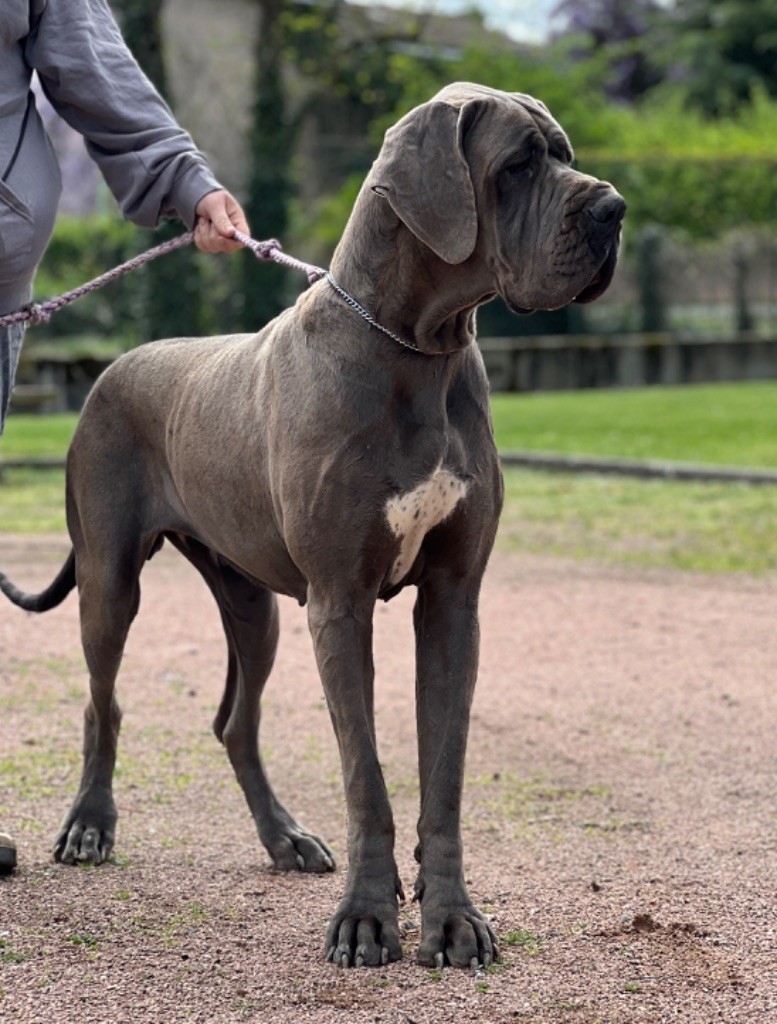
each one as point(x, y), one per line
point(619, 812)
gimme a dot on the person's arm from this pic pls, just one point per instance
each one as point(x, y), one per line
point(149, 162)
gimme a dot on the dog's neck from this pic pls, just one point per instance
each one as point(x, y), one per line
point(406, 287)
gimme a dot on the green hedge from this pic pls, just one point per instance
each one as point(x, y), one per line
point(705, 198)
point(182, 293)
point(82, 248)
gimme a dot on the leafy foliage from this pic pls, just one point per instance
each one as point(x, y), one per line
point(340, 48)
point(716, 52)
point(674, 163)
point(678, 167)
point(573, 91)
point(721, 50)
point(615, 30)
point(80, 249)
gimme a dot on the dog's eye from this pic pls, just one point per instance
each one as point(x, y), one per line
point(520, 167)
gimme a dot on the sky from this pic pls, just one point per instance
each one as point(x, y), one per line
point(525, 20)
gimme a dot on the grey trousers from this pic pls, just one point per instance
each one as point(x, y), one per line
point(10, 348)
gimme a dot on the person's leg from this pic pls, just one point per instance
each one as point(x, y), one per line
point(10, 348)
point(7, 854)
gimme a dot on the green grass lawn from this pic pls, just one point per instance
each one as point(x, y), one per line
point(649, 523)
point(37, 437)
point(701, 527)
point(32, 501)
point(733, 424)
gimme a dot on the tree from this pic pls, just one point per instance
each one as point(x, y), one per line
point(323, 63)
point(141, 24)
point(169, 298)
point(617, 30)
point(271, 147)
point(720, 51)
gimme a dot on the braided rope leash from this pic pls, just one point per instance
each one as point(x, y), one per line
point(40, 312)
point(270, 250)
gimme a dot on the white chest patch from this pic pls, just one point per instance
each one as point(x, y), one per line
point(411, 515)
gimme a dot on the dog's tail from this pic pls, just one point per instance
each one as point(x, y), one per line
point(49, 598)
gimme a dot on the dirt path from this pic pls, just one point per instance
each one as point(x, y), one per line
point(619, 813)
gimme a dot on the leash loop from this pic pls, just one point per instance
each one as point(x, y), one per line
point(272, 250)
point(38, 314)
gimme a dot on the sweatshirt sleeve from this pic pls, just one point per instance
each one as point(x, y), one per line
point(149, 162)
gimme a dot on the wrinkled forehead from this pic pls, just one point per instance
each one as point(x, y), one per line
point(512, 113)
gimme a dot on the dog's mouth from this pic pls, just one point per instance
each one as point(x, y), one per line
point(601, 280)
point(597, 285)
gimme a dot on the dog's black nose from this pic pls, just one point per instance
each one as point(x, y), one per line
point(608, 209)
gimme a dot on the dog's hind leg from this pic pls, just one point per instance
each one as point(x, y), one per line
point(109, 597)
point(249, 613)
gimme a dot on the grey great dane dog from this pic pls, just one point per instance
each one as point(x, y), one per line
point(337, 462)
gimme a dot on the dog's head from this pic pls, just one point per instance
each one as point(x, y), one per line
point(478, 174)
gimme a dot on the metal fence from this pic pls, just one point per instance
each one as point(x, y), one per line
point(712, 289)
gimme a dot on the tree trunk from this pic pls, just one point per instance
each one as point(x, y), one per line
point(141, 25)
point(170, 288)
point(651, 279)
point(271, 144)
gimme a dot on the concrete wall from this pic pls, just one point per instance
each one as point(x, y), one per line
point(545, 363)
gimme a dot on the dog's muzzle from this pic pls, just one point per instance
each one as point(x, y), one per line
point(603, 230)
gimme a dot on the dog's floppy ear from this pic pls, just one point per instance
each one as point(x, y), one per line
point(422, 172)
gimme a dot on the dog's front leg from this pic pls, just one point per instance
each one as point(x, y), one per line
point(364, 929)
point(447, 636)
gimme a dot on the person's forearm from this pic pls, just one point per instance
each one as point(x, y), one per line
point(149, 162)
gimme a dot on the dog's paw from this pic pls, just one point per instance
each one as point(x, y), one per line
point(88, 832)
point(459, 936)
point(363, 936)
point(82, 843)
point(295, 849)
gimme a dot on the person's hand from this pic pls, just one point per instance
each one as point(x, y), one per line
point(218, 214)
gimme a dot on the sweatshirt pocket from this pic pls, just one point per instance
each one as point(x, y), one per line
point(16, 228)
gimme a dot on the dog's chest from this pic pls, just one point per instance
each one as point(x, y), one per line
point(412, 514)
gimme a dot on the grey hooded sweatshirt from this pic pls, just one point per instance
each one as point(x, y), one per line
point(150, 164)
